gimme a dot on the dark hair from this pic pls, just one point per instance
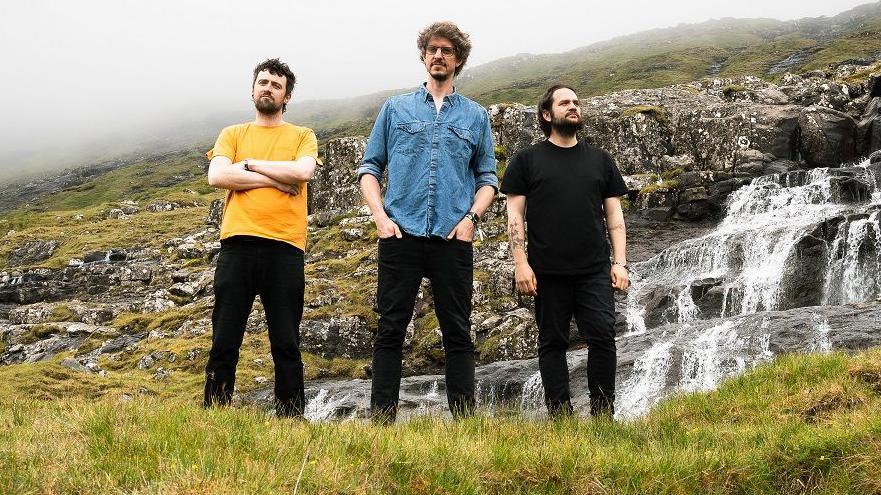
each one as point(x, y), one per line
point(450, 31)
point(278, 68)
point(545, 103)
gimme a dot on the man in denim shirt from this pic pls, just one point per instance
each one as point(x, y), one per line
point(438, 149)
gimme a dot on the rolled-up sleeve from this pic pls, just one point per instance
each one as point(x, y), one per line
point(376, 153)
point(485, 161)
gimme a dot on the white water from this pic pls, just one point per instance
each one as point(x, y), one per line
point(748, 253)
point(646, 382)
point(822, 343)
point(533, 393)
point(323, 406)
point(854, 262)
point(746, 258)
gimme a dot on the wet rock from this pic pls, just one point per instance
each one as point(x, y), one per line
point(116, 255)
point(868, 128)
point(96, 256)
point(827, 137)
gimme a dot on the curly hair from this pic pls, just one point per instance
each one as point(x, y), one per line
point(278, 68)
point(448, 30)
point(545, 104)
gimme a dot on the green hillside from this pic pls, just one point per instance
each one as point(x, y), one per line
point(725, 48)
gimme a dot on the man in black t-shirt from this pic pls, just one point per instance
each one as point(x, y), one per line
point(572, 191)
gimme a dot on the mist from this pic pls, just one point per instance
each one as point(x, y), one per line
point(83, 80)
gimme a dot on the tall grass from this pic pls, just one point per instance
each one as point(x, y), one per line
point(804, 424)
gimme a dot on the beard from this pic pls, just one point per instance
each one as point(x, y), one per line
point(267, 106)
point(440, 77)
point(565, 127)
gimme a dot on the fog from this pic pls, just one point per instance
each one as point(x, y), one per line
point(80, 73)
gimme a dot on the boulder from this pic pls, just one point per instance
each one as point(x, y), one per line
point(335, 185)
point(346, 337)
point(515, 127)
point(827, 137)
point(32, 252)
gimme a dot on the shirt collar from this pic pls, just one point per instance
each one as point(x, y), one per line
point(453, 97)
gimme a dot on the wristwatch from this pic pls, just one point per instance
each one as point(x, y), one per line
point(622, 265)
point(245, 162)
point(474, 217)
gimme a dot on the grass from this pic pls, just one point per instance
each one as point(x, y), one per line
point(655, 112)
point(803, 424)
point(666, 185)
point(76, 216)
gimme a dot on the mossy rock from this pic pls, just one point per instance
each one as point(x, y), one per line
point(653, 111)
point(731, 90)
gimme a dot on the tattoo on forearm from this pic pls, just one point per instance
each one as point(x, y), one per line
point(515, 235)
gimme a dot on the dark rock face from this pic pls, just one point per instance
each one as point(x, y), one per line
point(345, 337)
point(514, 127)
point(828, 137)
point(32, 252)
point(335, 186)
point(868, 130)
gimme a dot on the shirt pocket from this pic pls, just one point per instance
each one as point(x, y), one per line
point(461, 142)
point(410, 138)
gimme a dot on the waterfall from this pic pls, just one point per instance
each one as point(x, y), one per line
point(743, 267)
point(646, 382)
point(854, 262)
point(822, 344)
point(533, 393)
point(745, 258)
point(323, 406)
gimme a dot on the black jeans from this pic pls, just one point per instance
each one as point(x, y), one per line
point(247, 266)
point(402, 265)
point(590, 298)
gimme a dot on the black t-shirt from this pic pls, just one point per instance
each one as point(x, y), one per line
point(565, 189)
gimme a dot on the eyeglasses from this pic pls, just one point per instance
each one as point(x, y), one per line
point(446, 51)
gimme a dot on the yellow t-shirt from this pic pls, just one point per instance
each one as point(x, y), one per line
point(266, 211)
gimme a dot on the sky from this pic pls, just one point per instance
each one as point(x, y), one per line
point(73, 71)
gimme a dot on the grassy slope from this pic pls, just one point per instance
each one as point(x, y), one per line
point(176, 177)
point(803, 424)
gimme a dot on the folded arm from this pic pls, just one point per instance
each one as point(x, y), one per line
point(224, 174)
point(286, 172)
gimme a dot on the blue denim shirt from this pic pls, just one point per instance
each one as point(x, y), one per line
point(436, 160)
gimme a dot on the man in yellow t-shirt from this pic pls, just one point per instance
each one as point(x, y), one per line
point(264, 165)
